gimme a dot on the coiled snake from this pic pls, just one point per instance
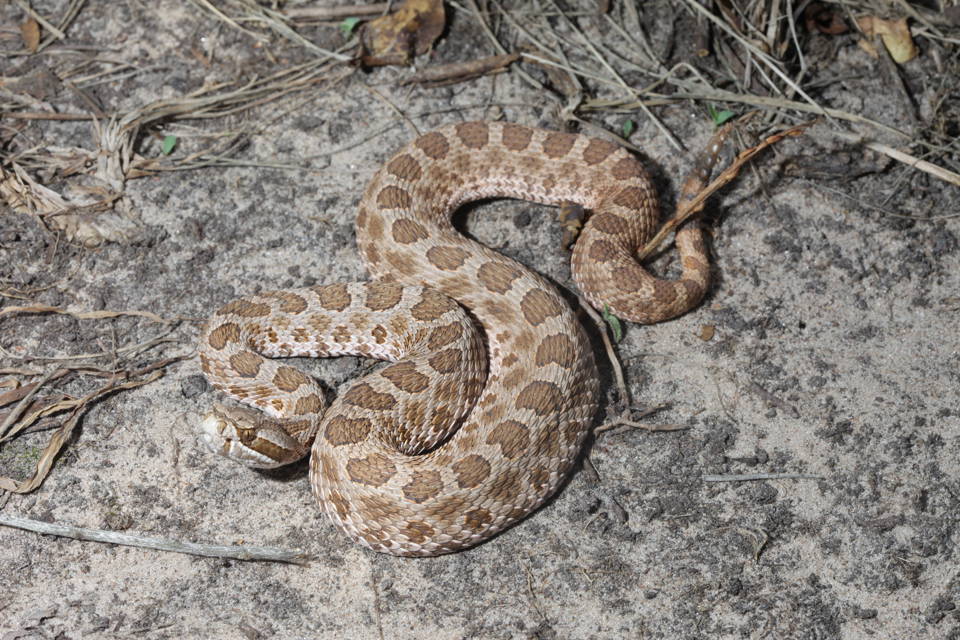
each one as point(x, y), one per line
point(463, 433)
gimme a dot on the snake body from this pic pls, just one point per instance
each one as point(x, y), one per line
point(465, 432)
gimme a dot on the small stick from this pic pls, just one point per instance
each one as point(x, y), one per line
point(624, 418)
point(672, 139)
point(624, 422)
point(237, 552)
point(687, 90)
point(761, 476)
point(84, 315)
point(325, 14)
point(911, 161)
point(774, 401)
point(688, 208)
point(533, 82)
point(14, 414)
point(43, 115)
point(611, 354)
point(43, 22)
point(394, 108)
point(460, 71)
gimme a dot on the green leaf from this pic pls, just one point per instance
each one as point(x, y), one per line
point(628, 128)
point(348, 25)
point(169, 142)
point(614, 323)
point(719, 117)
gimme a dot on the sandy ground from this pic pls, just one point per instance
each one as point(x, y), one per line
point(836, 353)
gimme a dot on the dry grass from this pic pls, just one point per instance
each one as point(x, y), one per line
point(590, 64)
point(583, 58)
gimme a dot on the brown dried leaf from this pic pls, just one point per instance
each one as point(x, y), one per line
point(30, 32)
point(895, 35)
point(62, 435)
point(21, 193)
point(37, 409)
point(819, 17)
point(16, 393)
point(408, 31)
point(571, 216)
point(561, 80)
point(85, 220)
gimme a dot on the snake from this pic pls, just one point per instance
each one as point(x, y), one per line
point(490, 386)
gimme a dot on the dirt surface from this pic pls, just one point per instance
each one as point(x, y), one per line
point(835, 353)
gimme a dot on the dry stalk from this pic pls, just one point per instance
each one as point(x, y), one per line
point(235, 552)
point(27, 411)
point(105, 214)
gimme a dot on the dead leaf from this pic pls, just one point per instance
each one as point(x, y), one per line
point(571, 216)
point(37, 409)
point(30, 32)
point(561, 80)
point(16, 393)
point(819, 17)
point(62, 435)
point(84, 220)
point(408, 31)
point(894, 33)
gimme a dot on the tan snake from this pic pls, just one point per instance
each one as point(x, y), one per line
point(465, 432)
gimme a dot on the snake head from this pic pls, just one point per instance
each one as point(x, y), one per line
point(249, 437)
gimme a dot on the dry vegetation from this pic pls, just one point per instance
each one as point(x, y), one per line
point(588, 59)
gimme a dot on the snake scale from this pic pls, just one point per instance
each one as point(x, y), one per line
point(466, 430)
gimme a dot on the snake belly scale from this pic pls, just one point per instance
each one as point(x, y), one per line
point(464, 432)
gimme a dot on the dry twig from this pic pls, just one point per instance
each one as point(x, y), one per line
point(445, 74)
point(62, 435)
point(27, 412)
point(331, 14)
point(746, 477)
point(688, 208)
point(236, 552)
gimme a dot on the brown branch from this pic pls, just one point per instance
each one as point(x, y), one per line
point(83, 315)
point(688, 208)
point(44, 115)
point(62, 435)
point(331, 14)
point(461, 71)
